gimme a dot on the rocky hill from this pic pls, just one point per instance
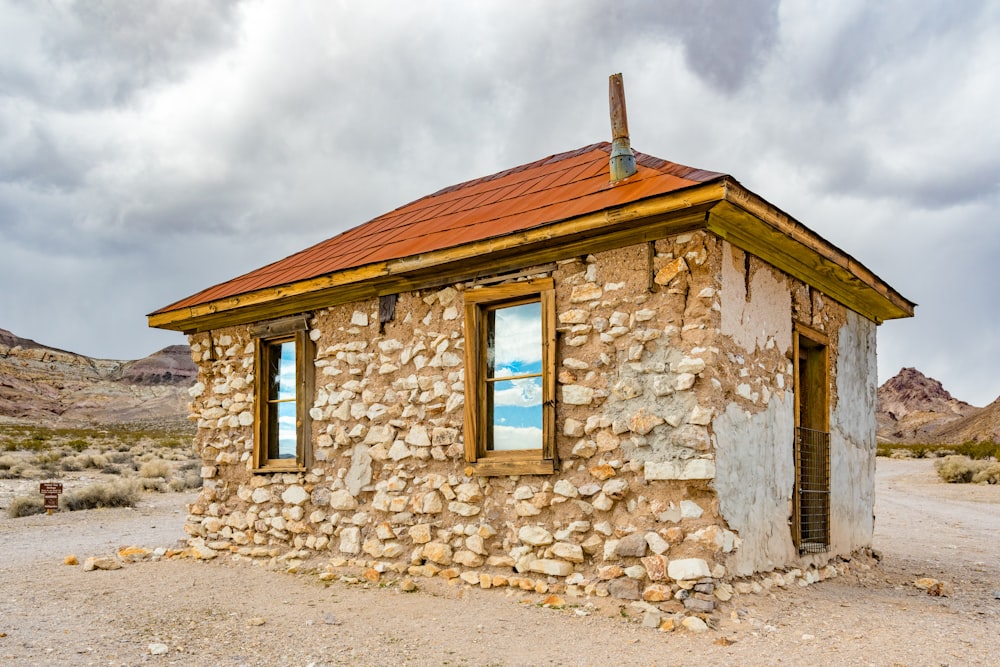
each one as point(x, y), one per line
point(983, 426)
point(45, 385)
point(915, 408)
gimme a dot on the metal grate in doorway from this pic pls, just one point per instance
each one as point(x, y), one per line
point(813, 461)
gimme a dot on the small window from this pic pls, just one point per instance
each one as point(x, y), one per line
point(283, 381)
point(509, 413)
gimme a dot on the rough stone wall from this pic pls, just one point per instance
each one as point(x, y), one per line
point(651, 385)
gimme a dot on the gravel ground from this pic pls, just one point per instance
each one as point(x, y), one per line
point(226, 612)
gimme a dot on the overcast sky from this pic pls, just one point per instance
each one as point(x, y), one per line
point(151, 149)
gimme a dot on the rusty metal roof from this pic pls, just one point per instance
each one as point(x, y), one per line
point(554, 188)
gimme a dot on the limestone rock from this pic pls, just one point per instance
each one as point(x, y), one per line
point(350, 540)
point(631, 546)
point(568, 551)
point(642, 422)
point(342, 499)
point(695, 624)
point(438, 552)
point(687, 569)
point(670, 271)
point(585, 292)
point(576, 394)
point(625, 589)
point(535, 536)
point(551, 567)
point(101, 563)
point(295, 495)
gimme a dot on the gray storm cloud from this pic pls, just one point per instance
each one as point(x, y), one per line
point(148, 150)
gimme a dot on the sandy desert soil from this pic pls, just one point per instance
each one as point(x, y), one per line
point(238, 613)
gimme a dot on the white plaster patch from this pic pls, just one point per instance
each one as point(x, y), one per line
point(767, 313)
point(754, 481)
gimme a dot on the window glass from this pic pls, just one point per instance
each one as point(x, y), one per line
point(284, 446)
point(514, 377)
point(282, 419)
point(517, 414)
point(282, 369)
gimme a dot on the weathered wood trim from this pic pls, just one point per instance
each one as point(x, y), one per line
point(494, 468)
point(752, 224)
point(281, 327)
point(515, 462)
point(305, 390)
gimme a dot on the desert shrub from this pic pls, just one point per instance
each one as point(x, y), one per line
point(97, 461)
point(152, 484)
point(973, 450)
point(47, 458)
point(154, 468)
point(120, 457)
point(26, 506)
point(979, 450)
point(119, 493)
point(111, 469)
point(186, 479)
point(77, 444)
point(990, 474)
point(71, 463)
point(7, 462)
point(958, 469)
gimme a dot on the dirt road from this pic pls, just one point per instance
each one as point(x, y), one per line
point(241, 614)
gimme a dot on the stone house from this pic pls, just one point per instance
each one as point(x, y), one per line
point(598, 372)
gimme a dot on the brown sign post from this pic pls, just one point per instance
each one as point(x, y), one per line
point(50, 491)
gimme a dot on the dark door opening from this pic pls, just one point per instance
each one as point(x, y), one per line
point(811, 530)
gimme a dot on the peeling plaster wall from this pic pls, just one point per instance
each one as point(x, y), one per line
point(754, 432)
point(852, 436)
point(755, 477)
point(753, 315)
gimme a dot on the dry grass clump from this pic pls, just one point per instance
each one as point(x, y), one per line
point(963, 470)
point(154, 468)
point(988, 475)
point(120, 493)
point(187, 477)
point(26, 506)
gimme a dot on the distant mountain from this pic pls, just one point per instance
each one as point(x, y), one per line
point(915, 408)
point(983, 426)
point(42, 384)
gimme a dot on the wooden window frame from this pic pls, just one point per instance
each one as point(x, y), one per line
point(477, 304)
point(267, 337)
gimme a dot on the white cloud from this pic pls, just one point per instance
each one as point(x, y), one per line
point(506, 438)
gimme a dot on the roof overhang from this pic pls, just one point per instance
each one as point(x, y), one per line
point(721, 206)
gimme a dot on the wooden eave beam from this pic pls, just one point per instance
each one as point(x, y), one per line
point(649, 219)
point(752, 224)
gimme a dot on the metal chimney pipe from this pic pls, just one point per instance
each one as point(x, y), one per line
point(622, 157)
